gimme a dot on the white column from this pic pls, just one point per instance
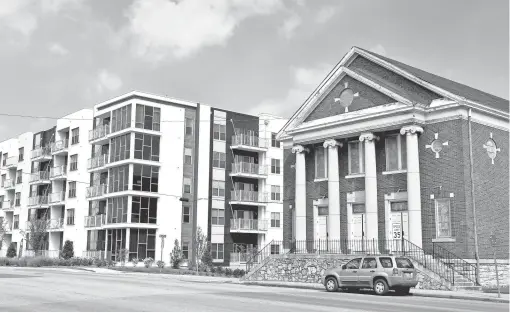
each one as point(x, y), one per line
point(300, 198)
point(370, 186)
point(413, 183)
point(333, 189)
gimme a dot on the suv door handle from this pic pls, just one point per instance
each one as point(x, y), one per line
point(354, 271)
point(372, 271)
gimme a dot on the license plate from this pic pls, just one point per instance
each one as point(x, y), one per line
point(408, 275)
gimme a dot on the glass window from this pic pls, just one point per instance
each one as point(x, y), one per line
point(142, 243)
point(185, 250)
point(17, 199)
point(119, 179)
point(144, 210)
point(275, 219)
point(275, 193)
point(386, 262)
point(21, 154)
point(73, 166)
point(145, 178)
point(188, 126)
point(404, 263)
point(356, 157)
point(186, 185)
point(396, 154)
point(4, 178)
point(217, 251)
point(72, 189)
point(219, 131)
point(443, 218)
point(19, 176)
point(75, 136)
point(185, 214)
point(321, 163)
point(369, 263)
point(146, 147)
point(219, 159)
point(70, 216)
point(274, 142)
point(353, 264)
point(218, 188)
point(15, 223)
point(121, 118)
point(117, 210)
point(120, 148)
point(275, 249)
point(275, 166)
point(148, 117)
point(218, 217)
point(188, 160)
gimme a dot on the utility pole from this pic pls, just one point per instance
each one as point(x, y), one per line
point(493, 244)
point(473, 205)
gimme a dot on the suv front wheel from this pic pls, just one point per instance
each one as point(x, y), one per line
point(331, 284)
point(380, 287)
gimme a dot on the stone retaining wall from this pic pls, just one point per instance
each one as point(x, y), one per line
point(488, 274)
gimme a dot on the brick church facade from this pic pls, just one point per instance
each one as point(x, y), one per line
point(381, 150)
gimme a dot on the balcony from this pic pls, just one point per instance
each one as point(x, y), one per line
point(58, 172)
point(248, 170)
point(60, 147)
point(11, 162)
point(239, 257)
point(97, 163)
point(38, 201)
point(95, 220)
point(9, 184)
point(245, 197)
point(57, 198)
point(42, 177)
point(7, 205)
point(57, 223)
point(8, 227)
point(41, 153)
point(249, 143)
point(97, 191)
point(99, 135)
point(248, 225)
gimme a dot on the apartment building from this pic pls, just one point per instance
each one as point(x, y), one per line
point(151, 170)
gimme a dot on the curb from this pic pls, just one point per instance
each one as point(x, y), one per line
point(459, 297)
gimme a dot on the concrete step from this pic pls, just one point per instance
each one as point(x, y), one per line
point(470, 288)
point(464, 284)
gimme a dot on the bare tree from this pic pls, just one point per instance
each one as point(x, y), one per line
point(37, 228)
point(3, 230)
point(199, 246)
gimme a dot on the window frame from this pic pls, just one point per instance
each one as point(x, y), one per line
point(276, 219)
point(153, 179)
point(185, 252)
point(316, 158)
point(276, 193)
point(274, 142)
point(15, 221)
point(184, 215)
point(17, 199)
point(219, 159)
point(361, 156)
point(75, 136)
point(215, 220)
point(218, 182)
point(188, 157)
point(72, 191)
point(19, 176)
point(186, 182)
point(215, 251)
point(400, 153)
point(276, 166)
point(222, 132)
point(436, 206)
point(140, 120)
point(154, 146)
point(70, 217)
point(189, 124)
point(73, 164)
point(21, 154)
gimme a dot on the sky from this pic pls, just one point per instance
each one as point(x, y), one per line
point(256, 56)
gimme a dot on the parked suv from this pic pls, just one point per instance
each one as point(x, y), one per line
point(381, 273)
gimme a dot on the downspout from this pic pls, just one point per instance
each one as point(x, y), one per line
point(473, 205)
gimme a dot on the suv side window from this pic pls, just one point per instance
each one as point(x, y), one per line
point(404, 263)
point(353, 264)
point(386, 262)
point(369, 263)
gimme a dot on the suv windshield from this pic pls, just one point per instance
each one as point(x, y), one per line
point(353, 264)
point(403, 263)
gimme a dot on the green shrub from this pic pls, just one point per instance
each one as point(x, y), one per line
point(176, 255)
point(220, 270)
point(228, 271)
point(160, 264)
point(4, 261)
point(134, 261)
point(206, 258)
point(67, 250)
point(148, 262)
point(236, 272)
point(11, 251)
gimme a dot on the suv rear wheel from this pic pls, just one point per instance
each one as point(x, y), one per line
point(331, 284)
point(380, 287)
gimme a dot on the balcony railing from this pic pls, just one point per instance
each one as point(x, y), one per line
point(99, 132)
point(11, 161)
point(7, 205)
point(248, 168)
point(95, 220)
point(39, 176)
point(97, 161)
point(248, 196)
point(96, 191)
point(58, 171)
point(9, 183)
point(60, 145)
point(37, 200)
point(57, 196)
point(248, 225)
point(56, 223)
point(240, 257)
point(7, 226)
point(44, 152)
point(249, 140)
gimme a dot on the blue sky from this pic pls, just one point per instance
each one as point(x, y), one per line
point(259, 56)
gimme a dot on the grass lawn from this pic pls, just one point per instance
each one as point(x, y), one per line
point(167, 270)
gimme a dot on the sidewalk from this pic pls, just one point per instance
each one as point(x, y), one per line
point(464, 295)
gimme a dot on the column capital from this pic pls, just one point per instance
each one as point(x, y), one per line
point(411, 129)
point(331, 143)
point(368, 137)
point(299, 149)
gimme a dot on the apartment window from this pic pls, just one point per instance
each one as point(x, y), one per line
point(147, 147)
point(73, 166)
point(396, 153)
point(217, 251)
point(219, 159)
point(4, 159)
point(217, 217)
point(218, 188)
point(443, 218)
point(118, 178)
point(142, 243)
point(121, 118)
point(185, 214)
point(274, 142)
point(17, 199)
point(188, 160)
point(70, 216)
point(75, 135)
point(3, 180)
point(355, 155)
point(21, 154)
point(144, 210)
point(185, 250)
point(275, 219)
point(186, 185)
point(275, 193)
point(19, 176)
point(120, 148)
point(15, 223)
point(275, 249)
point(219, 132)
point(188, 126)
point(275, 166)
point(148, 117)
point(117, 210)
point(72, 189)
point(145, 178)
point(321, 163)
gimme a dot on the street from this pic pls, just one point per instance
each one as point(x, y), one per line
point(23, 289)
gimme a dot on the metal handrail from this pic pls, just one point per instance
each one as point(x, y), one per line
point(258, 256)
point(99, 132)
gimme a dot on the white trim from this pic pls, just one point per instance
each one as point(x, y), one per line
point(361, 155)
point(445, 239)
point(399, 154)
point(449, 220)
point(316, 156)
point(316, 180)
point(394, 172)
point(355, 176)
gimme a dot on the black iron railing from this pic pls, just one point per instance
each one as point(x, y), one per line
point(459, 265)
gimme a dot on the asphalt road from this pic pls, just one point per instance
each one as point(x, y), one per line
point(70, 290)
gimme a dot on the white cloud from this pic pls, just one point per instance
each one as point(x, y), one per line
point(58, 49)
point(379, 49)
point(108, 81)
point(325, 14)
point(305, 80)
point(162, 28)
point(290, 25)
